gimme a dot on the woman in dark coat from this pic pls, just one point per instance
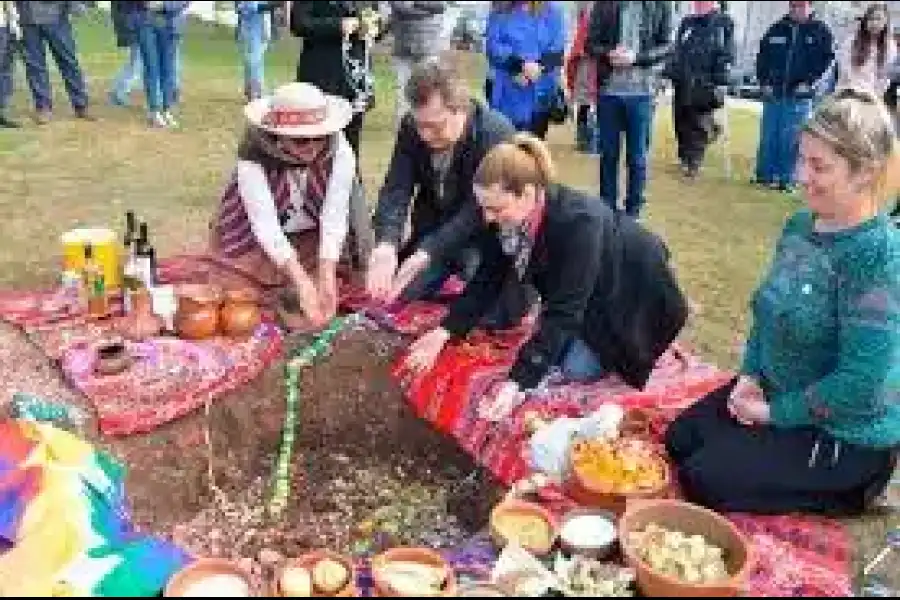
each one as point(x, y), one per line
point(609, 301)
point(335, 55)
point(130, 73)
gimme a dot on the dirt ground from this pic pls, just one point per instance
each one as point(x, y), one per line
point(367, 472)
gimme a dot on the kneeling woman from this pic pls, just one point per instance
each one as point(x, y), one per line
point(813, 421)
point(610, 303)
point(290, 204)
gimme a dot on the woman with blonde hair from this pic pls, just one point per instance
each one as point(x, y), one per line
point(813, 420)
point(609, 301)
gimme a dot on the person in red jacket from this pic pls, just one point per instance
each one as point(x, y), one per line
point(581, 80)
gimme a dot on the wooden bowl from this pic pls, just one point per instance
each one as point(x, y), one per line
point(424, 556)
point(689, 519)
point(201, 569)
point(591, 493)
point(308, 562)
point(521, 507)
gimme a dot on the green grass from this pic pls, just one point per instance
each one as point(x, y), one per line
point(721, 231)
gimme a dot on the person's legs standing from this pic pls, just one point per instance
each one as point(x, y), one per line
point(166, 42)
point(583, 135)
point(65, 52)
point(403, 70)
point(768, 141)
point(179, 40)
point(540, 125)
point(609, 129)
point(35, 55)
point(152, 86)
point(7, 66)
point(794, 115)
point(679, 116)
point(127, 77)
point(253, 49)
point(639, 120)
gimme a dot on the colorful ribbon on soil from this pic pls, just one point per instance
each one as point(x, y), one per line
point(299, 359)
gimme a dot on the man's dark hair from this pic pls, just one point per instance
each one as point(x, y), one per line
point(437, 77)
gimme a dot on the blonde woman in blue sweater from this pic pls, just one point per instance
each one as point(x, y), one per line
point(813, 422)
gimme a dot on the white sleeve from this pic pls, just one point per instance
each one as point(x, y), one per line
point(845, 66)
point(335, 219)
point(260, 206)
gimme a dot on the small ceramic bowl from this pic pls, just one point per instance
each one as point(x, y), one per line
point(576, 519)
point(111, 358)
point(202, 569)
point(425, 556)
point(513, 506)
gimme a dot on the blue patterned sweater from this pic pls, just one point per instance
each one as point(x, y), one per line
point(825, 341)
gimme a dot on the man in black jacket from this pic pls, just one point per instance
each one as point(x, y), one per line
point(439, 146)
point(629, 40)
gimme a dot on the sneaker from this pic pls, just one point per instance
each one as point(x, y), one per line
point(169, 119)
point(156, 120)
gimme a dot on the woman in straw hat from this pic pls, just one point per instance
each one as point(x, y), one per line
point(812, 423)
point(292, 201)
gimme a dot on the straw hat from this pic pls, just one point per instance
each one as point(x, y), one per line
point(299, 110)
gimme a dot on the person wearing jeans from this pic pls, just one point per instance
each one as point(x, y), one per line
point(628, 40)
point(158, 29)
point(9, 33)
point(419, 35)
point(795, 58)
point(254, 31)
point(47, 24)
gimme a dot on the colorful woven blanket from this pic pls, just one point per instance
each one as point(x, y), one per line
point(797, 556)
point(63, 518)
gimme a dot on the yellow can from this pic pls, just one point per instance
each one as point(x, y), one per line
point(106, 252)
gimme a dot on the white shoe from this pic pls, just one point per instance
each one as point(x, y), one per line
point(156, 120)
point(169, 119)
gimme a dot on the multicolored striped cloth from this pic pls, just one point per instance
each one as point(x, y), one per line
point(64, 527)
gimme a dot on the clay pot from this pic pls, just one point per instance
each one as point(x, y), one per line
point(240, 314)
point(689, 519)
point(112, 358)
point(308, 562)
point(197, 317)
point(201, 569)
point(142, 323)
point(425, 556)
point(520, 507)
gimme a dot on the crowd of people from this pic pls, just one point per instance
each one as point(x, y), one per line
point(812, 418)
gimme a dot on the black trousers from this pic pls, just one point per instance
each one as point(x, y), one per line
point(540, 125)
point(353, 131)
point(726, 466)
point(694, 131)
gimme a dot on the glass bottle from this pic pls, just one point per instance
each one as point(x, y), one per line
point(94, 285)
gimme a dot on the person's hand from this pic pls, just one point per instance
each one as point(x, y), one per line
point(409, 270)
point(328, 294)
point(621, 57)
point(306, 293)
point(424, 351)
point(522, 80)
point(749, 411)
point(349, 26)
point(380, 274)
point(747, 403)
point(506, 397)
point(532, 70)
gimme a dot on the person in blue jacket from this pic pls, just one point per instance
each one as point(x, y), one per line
point(525, 44)
point(795, 58)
